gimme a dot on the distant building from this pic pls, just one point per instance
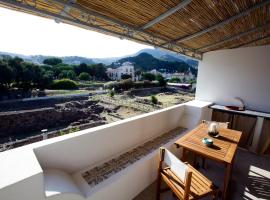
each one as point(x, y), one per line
point(125, 68)
point(154, 71)
point(187, 76)
point(181, 76)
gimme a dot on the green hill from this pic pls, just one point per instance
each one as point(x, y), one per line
point(147, 62)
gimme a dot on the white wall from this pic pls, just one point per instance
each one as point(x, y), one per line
point(243, 72)
point(21, 175)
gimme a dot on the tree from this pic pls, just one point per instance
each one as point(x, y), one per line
point(46, 79)
point(125, 76)
point(52, 61)
point(16, 65)
point(84, 76)
point(70, 74)
point(162, 82)
point(148, 76)
point(47, 67)
point(99, 72)
point(82, 68)
point(6, 74)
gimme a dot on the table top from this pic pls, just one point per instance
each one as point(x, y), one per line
point(223, 148)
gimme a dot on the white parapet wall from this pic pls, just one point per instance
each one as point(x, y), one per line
point(49, 169)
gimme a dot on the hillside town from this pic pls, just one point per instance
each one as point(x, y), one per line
point(127, 68)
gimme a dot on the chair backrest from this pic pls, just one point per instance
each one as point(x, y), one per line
point(179, 168)
point(220, 124)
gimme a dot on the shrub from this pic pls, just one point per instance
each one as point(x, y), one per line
point(162, 82)
point(112, 93)
point(148, 76)
point(154, 99)
point(145, 84)
point(84, 76)
point(121, 85)
point(175, 80)
point(65, 84)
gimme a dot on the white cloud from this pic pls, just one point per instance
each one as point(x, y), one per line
point(31, 35)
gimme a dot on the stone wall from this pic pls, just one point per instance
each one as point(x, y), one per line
point(16, 123)
point(39, 102)
point(18, 143)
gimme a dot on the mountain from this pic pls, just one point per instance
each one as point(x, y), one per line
point(159, 53)
point(169, 56)
point(156, 53)
point(106, 61)
point(147, 62)
point(193, 63)
point(38, 59)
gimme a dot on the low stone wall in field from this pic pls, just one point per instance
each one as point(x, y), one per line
point(22, 122)
point(39, 102)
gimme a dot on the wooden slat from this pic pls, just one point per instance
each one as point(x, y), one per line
point(117, 16)
point(200, 185)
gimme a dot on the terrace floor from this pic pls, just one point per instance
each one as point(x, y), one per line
point(250, 178)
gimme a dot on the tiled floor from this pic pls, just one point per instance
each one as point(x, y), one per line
point(250, 179)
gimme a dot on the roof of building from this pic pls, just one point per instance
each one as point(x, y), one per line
point(189, 27)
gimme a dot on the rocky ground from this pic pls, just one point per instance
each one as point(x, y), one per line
point(72, 116)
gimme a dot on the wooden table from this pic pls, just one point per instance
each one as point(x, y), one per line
point(223, 149)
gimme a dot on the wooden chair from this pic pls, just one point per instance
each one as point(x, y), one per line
point(185, 182)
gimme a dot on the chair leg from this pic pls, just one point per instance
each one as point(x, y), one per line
point(158, 187)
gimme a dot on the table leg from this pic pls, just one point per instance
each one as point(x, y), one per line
point(184, 155)
point(227, 180)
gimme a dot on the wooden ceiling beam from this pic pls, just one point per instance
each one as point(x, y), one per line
point(252, 41)
point(169, 12)
point(234, 37)
point(220, 24)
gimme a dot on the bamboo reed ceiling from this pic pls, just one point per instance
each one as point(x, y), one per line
point(189, 27)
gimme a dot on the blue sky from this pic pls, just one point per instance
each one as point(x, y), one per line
point(31, 35)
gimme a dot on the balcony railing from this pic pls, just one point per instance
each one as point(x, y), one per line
point(114, 161)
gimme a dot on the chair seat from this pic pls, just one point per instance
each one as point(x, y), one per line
point(200, 185)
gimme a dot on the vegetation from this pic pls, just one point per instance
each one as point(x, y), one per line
point(16, 73)
point(65, 84)
point(148, 76)
point(52, 61)
point(154, 99)
point(125, 76)
point(162, 82)
point(147, 62)
point(128, 84)
point(111, 93)
point(84, 76)
point(175, 80)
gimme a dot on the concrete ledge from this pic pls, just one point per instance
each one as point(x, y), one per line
point(57, 182)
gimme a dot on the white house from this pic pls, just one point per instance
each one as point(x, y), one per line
point(125, 68)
